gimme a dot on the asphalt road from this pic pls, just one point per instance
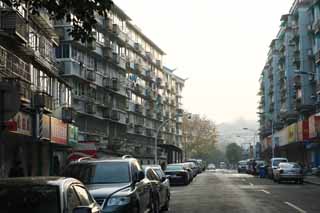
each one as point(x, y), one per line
point(227, 192)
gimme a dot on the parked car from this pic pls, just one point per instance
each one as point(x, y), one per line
point(45, 194)
point(195, 169)
point(211, 166)
point(161, 185)
point(242, 166)
point(288, 172)
point(178, 174)
point(118, 185)
point(273, 165)
point(190, 171)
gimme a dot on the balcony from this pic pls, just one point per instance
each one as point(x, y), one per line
point(115, 84)
point(107, 53)
point(115, 29)
point(12, 23)
point(138, 129)
point(137, 68)
point(90, 75)
point(106, 82)
point(149, 133)
point(115, 58)
point(317, 57)
point(115, 115)
point(90, 108)
point(316, 26)
point(138, 89)
point(106, 113)
point(318, 87)
point(297, 81)
point(138, 47)
point(138, 108)
point(43, 100)
point(68, 114)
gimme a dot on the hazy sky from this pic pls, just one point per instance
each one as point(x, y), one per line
point(220, 46)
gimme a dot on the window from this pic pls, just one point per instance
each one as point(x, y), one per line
point(84, 196)
point(100, 37)
point(63, 51)
point(72, 200)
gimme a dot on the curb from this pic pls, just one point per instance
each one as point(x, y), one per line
point(310, 182)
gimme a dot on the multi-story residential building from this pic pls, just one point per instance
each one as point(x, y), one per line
point(120, 89)
point(38, 136)
point(289, 98)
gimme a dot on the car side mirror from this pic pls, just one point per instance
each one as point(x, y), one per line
point(167, 176)
point(82, 209)
point(163, 179)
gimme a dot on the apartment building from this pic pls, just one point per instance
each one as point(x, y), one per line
point(289, 103)
point(38, 133)
point(120, 89)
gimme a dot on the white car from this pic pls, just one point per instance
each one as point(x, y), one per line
point(274, 163)
point(211, 166)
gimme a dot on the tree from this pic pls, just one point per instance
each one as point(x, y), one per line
point(81, 13)
point(233, 153)
point(200, 135)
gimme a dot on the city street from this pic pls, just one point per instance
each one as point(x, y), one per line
point(227, 191)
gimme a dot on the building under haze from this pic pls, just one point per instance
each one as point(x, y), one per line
point(289, 87)
point(121, 91)
point(101, 98)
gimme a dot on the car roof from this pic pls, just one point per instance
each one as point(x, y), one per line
point(104, 160)
point(43, 180)
point(279, 159)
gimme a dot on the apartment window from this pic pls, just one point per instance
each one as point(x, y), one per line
point(63, 51)
point(33, 40)
point(100, 37)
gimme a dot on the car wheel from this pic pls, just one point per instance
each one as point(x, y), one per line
point(166, 205)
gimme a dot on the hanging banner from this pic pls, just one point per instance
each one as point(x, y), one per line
point(58, 131)
point(23, 123)
point(314, 126)
point(292, 133)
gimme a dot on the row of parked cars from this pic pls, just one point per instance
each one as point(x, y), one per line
point(184, 173)
point(278, 169)
point(112, 185)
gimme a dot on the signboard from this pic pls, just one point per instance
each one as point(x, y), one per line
point(46, 127)
point(314, 126)
point(83, 149)
point(23, 124)
point(72, 135)
point(283, 137)
point(292, 133)
point(58, 131)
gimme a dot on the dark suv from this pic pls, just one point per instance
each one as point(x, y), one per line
point(117, 185)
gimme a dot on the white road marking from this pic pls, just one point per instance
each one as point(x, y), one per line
point(265, 191)
point(251, 184)
point(295, 207)
point(243, 179)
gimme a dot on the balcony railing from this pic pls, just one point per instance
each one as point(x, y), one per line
point(91, 75)
point(115, 115)
point(68, 114)
point(115, 84)
point(14, 24)
point(42, 99)
point(90, 108)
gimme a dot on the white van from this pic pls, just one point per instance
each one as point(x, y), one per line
point(274, 163)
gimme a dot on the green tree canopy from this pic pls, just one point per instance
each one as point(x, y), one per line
point(81, 13)
point(233, 153)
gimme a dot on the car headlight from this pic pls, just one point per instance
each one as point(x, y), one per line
point(118, 201)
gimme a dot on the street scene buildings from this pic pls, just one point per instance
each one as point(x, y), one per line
point(102, 98)
point(289, 88)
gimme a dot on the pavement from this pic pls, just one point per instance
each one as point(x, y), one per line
point(312, 179)
point(225, 191)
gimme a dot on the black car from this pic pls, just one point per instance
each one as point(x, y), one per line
point(45, 194)
point(161, 185)
point(177, 174)
point(118, 185)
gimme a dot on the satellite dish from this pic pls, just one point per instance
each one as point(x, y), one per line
point(10, 103)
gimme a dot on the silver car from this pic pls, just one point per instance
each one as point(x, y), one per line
point(288, 171)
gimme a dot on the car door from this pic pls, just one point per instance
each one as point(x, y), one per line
point(164, 185)
point(71, 199)
point(142, 187)
point(86, 199)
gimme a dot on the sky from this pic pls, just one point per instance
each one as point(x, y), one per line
point(220, 46)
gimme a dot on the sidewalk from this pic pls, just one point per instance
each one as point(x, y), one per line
point(312, 179)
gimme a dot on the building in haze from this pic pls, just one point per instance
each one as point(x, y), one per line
point(121, 91)
point(289, 87)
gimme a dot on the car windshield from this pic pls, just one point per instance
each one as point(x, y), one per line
point(289, 165)
point(35, 199)
point(174, 167)
point(99, 173)
point(277, 162)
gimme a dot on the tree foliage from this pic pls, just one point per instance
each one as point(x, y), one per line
point(201, 136)
point(81, 13)
point(233, 153)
